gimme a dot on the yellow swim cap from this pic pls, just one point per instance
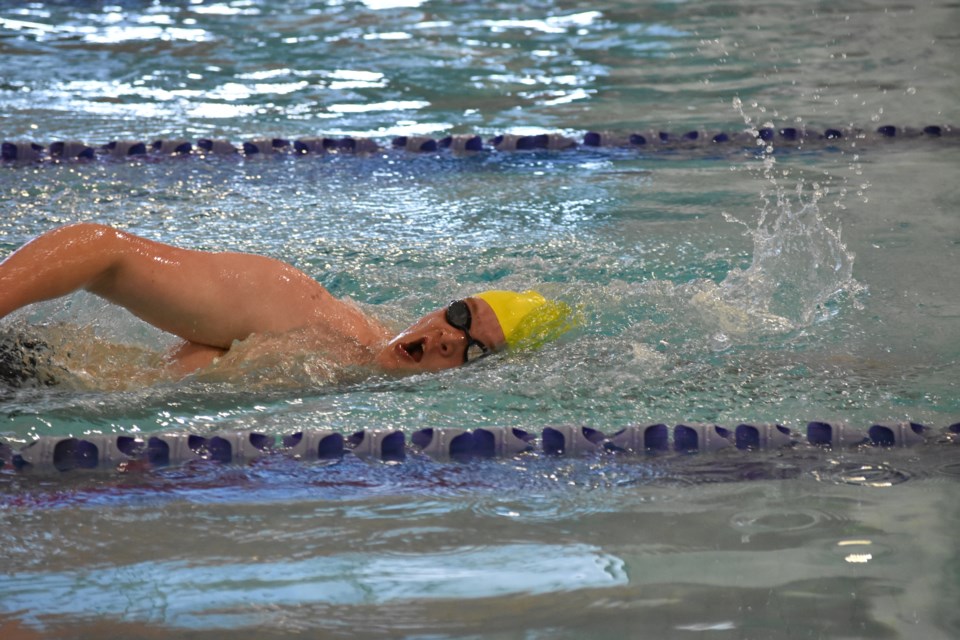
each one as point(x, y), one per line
point(527, 319)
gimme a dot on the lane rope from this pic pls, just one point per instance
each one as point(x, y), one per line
point(645, 141)
point(112, 452)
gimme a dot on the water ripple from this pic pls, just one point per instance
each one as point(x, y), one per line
point(770, 520)
point(877, 475)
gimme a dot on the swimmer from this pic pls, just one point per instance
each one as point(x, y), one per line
point(214, 301)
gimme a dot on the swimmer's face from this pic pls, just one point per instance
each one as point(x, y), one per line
point(434, 343)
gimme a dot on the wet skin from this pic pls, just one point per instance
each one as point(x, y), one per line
point(432, 344)
point(213, 300)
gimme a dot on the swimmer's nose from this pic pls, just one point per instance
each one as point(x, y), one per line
point(450, 343)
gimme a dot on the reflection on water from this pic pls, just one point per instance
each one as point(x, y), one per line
point(182, 594)
point(660, 545)
point(225, 67)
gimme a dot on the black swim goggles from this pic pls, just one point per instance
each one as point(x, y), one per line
point(459, 317)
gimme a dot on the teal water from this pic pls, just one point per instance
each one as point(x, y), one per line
point(727, 287)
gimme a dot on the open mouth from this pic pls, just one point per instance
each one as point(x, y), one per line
point(414, 350)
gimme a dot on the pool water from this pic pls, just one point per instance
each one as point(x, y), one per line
point(713, 285)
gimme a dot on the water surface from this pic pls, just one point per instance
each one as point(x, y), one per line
point(715, 287)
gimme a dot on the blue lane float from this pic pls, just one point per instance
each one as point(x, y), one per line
point(106, 452)
point(314, 445)
point(644, 141)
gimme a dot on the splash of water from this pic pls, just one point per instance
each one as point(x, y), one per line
point(799, 263)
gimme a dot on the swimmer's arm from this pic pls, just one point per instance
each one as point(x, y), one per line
point(189, 357)
point(206, 298)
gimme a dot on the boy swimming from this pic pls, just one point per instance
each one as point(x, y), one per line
point(215, 301)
